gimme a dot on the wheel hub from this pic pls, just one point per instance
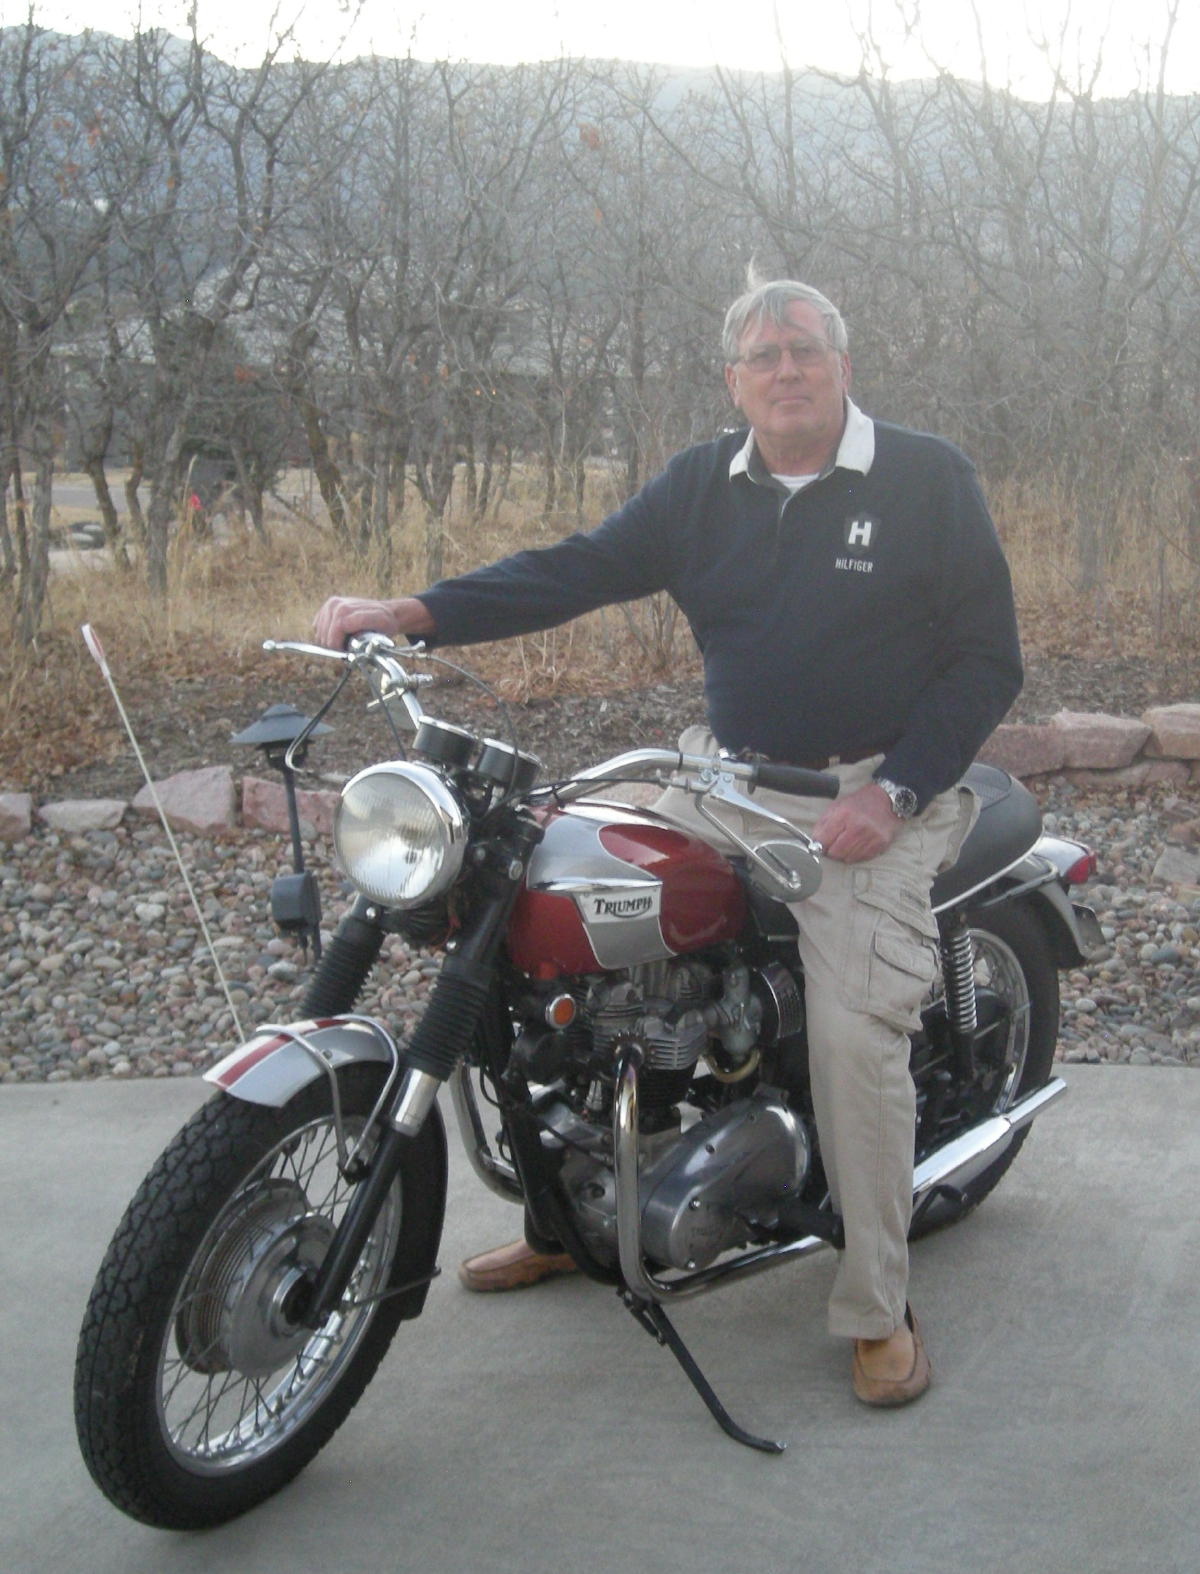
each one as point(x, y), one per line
point(233, 1316)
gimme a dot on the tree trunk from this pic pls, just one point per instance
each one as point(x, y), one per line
point(434, 546)
point(133, 481)
point(93, 464)
point(34, 543)
point(325, 467)
point(8, 549)
point(381, 494)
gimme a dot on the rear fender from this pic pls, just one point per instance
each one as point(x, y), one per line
point(1071, 928)
point(277, 1061)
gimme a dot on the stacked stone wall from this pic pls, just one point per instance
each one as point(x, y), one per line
point(1087, 749)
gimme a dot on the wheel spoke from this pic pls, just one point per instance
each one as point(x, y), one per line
point(214, 1414)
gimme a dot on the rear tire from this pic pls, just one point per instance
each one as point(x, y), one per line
point(1014, 959)
point(195, 1396)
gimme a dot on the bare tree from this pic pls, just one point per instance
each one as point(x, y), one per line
point(428, 269)
point(50, 233)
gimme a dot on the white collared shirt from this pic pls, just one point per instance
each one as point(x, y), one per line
point(856, 451)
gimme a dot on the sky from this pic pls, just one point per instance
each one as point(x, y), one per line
point(1122, 38)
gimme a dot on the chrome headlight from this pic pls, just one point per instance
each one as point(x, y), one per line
point(400, 833)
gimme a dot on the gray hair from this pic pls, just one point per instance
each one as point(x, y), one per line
point(771, 301)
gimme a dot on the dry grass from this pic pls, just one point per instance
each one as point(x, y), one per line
point(226, 596)
point(1143, 595)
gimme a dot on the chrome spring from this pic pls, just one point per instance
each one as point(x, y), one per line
point(958, 972)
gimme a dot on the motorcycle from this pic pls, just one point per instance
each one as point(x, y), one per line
point(628, 999)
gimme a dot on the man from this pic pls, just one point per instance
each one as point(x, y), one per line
point(847, 590)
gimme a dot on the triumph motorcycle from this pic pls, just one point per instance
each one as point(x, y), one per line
point(626, 1000)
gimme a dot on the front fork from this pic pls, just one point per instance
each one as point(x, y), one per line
point(441, 1039)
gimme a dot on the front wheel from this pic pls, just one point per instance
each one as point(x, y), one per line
point(196, 1396)
point(1014, 962)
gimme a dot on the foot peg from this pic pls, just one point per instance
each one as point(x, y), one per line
point(797, 1219)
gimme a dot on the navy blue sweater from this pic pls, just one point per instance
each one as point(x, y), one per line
point(863, 611)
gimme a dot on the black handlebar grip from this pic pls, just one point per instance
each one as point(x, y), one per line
point(798, 781)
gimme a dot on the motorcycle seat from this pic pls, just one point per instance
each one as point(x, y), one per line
point(1009, 824)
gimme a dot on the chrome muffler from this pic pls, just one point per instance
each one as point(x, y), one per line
point(966, 1157)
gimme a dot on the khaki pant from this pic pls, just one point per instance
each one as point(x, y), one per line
point(868, 943)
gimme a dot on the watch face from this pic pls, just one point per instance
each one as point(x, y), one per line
point(904, 799)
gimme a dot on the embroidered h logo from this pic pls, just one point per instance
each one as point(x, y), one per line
point(859, 532)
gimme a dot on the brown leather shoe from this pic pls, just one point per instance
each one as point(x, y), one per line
point(874, 1386)
point(512, 1267)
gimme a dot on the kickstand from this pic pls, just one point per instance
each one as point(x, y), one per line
point(656, 1322)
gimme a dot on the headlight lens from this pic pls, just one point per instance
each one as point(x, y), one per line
point(400, 834)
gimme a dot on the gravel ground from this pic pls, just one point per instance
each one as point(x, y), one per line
point(105, 972)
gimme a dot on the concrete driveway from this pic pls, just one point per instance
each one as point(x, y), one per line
point(544, 1432)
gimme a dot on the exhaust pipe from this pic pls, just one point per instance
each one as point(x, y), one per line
point(963, 1160)
point(955, 1166)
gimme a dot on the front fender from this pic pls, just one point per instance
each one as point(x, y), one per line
point(278, 1060)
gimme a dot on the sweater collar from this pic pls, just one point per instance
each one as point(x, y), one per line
point(856, 451)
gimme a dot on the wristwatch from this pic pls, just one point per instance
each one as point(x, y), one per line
point(904, 800)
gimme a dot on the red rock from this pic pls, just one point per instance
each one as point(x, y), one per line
point(1103, 742)
point(1025, 748)
point(264, 808)
point(1175, 731)
point(192, 800)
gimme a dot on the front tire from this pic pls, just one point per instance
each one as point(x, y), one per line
point(196, 1397)
point(1014, 960)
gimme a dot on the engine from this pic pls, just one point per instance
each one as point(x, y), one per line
point(706, 1179)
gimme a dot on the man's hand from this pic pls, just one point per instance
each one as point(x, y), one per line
point(342, 616)
point(859, 826)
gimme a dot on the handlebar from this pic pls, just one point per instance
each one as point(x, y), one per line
point(788, 860)
point(793, 779)
point(382, 653)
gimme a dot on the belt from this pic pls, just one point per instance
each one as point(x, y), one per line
point(852, 758)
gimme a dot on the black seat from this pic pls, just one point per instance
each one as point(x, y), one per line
point(1009, 823)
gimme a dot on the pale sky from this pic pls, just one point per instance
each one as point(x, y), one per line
point(1123, 37)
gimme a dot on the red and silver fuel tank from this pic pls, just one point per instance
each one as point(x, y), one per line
point(610, 887)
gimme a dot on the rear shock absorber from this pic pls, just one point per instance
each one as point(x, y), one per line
point(958, 972)
point(962, 1014)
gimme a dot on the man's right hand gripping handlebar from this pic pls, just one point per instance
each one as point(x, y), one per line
point(342, 616)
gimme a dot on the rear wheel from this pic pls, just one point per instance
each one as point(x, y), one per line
point(196, 1395)
point(1013, 961)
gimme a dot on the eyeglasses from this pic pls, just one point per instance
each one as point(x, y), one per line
point(805, 353)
